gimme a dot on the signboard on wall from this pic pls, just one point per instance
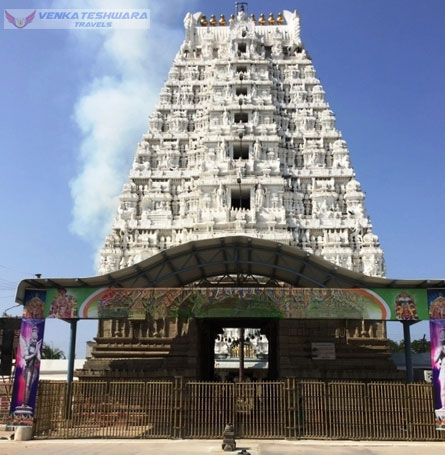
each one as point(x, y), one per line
point(323, 351)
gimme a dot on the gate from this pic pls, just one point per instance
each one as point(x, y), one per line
point(256, 409)
point(282, 409)
point(104, 410)
point(259, 410)
point(209, 408)
point(5, 400)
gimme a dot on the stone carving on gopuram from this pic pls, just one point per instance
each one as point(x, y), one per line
point(243, 142)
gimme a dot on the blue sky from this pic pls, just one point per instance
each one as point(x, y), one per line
point(74, 104)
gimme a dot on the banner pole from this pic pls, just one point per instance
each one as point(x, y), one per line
point(72, 351)
point(408, 355)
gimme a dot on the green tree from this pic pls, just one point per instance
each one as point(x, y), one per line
point(417, 346)
point(395, 346)
point(51, 352)
point(421, 345)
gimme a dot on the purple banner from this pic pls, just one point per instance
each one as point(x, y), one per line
point(27, 371)
point(436, 304)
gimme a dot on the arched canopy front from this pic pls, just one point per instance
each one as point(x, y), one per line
point(237, 255)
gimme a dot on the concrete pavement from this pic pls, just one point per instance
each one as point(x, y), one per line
point(213, 447)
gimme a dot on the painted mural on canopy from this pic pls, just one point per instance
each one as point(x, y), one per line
point(292, 303)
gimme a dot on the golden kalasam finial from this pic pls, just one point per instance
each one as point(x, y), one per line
point(280, 18)
point(222, 20)
point(232, 18)
point(271, 19)
point(212, 21)
point(262, 19)
point(252, 18)
point(203, 21)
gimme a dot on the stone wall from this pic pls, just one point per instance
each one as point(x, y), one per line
point(143, 350)
point(361, 350)
point(171, 347)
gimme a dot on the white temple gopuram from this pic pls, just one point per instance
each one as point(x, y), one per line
point(243, 142)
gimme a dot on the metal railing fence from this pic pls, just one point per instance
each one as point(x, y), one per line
point(290, 408)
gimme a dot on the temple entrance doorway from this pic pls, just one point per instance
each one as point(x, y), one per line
point(224, 343)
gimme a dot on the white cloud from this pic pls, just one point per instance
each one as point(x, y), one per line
point(114, 105)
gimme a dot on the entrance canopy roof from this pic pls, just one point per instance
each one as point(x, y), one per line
point(236, 255)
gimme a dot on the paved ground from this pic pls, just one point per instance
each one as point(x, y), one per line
point(211, 447)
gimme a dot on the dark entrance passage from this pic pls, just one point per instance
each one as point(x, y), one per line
point(211, 329)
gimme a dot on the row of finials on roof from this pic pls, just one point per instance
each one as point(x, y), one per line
point(213, 22)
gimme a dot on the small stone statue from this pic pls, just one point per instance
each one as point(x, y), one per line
point(221, 196)
point(225, 117)
point(188, 25)
point(259, 199)
point(229, 443)
point(257, 149)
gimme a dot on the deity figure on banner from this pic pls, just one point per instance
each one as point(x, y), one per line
point(30, 350)
point(439, 359)
point(405, 308)
point(27, 371)
point(34, 308)
point(63, 305)
point(437, 308)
